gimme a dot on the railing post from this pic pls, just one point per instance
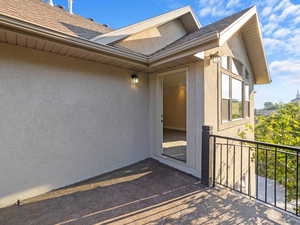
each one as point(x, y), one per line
point(206, 159)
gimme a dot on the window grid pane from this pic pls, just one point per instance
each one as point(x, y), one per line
point(225, 110)
point(225, 86)
point(236, 103)
point(225, 62)
point(236, 90)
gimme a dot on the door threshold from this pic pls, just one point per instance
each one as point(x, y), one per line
point(172, 157)
point(179, 165)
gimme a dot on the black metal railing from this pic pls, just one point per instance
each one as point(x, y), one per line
point(263, 171)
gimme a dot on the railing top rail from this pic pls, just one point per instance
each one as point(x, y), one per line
point(258, 143)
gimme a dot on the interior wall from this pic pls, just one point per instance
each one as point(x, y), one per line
point(64, 120)
point(175, 107)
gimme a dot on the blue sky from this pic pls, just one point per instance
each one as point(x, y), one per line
point(280, 24)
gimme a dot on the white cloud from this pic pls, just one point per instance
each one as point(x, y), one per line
point(286, 67)
point(217, 8)
point(274, 45)
point(282, 5)
point(291, 10)
point(205, 11)
point(270, 27)
point(281, 33)
point(233, 3)
point(273, 18)
point(293, 43)
point(287, 71)
point(266, 11)
point(294, 80)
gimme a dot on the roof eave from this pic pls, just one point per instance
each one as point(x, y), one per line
point(124, 32)
point(267, 75)
point(68, 39)
point(185, 46)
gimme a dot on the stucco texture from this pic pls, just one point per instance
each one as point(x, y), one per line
point(234, 47)
point(64, 120)
point(235, 157)
point(153, 39)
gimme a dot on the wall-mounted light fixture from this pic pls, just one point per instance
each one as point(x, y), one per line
point(215, 58)
point(134, 79)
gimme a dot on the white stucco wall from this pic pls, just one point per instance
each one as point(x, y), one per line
point(155, 38)
point(64, 120)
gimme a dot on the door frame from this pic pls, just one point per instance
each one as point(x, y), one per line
point(159, 106)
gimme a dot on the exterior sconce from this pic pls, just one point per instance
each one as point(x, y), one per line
point(215, 58)
point(134, 79)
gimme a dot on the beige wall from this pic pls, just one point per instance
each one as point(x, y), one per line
point(175, 107)
point(153, 39)
point(212, 95)
point(64, 120)
point(235, 48)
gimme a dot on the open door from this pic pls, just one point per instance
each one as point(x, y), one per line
point(174, 116)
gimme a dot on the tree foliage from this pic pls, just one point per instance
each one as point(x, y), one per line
point(283, 128)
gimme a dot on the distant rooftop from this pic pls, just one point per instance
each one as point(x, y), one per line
point(297, 99)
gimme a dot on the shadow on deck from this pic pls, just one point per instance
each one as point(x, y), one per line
point(144, 193)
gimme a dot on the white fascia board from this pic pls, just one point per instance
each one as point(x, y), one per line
point(186, 46)
point(122, 33)
point(226, 34)
point(195, 18)
point(263, 50)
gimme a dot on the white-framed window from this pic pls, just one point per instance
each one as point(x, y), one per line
point(225, 97)
point(235, 102)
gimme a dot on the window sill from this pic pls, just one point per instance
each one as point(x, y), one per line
point(234, 123)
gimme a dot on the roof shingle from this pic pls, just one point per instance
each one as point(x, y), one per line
point(54, 18)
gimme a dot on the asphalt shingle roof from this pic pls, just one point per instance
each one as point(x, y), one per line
point(54, 18)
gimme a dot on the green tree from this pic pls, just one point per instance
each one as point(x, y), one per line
point(282, 128)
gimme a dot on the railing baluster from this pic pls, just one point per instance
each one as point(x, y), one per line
point(285, 195)
point(221, 152)
point(241, 178)
point(297, 184)
point(262, 164)
point(214, 163)
point(256, 168)
point(227, 164)
point(233, 184)
point(266, 176)
point(249, 155)
point(275, 178)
